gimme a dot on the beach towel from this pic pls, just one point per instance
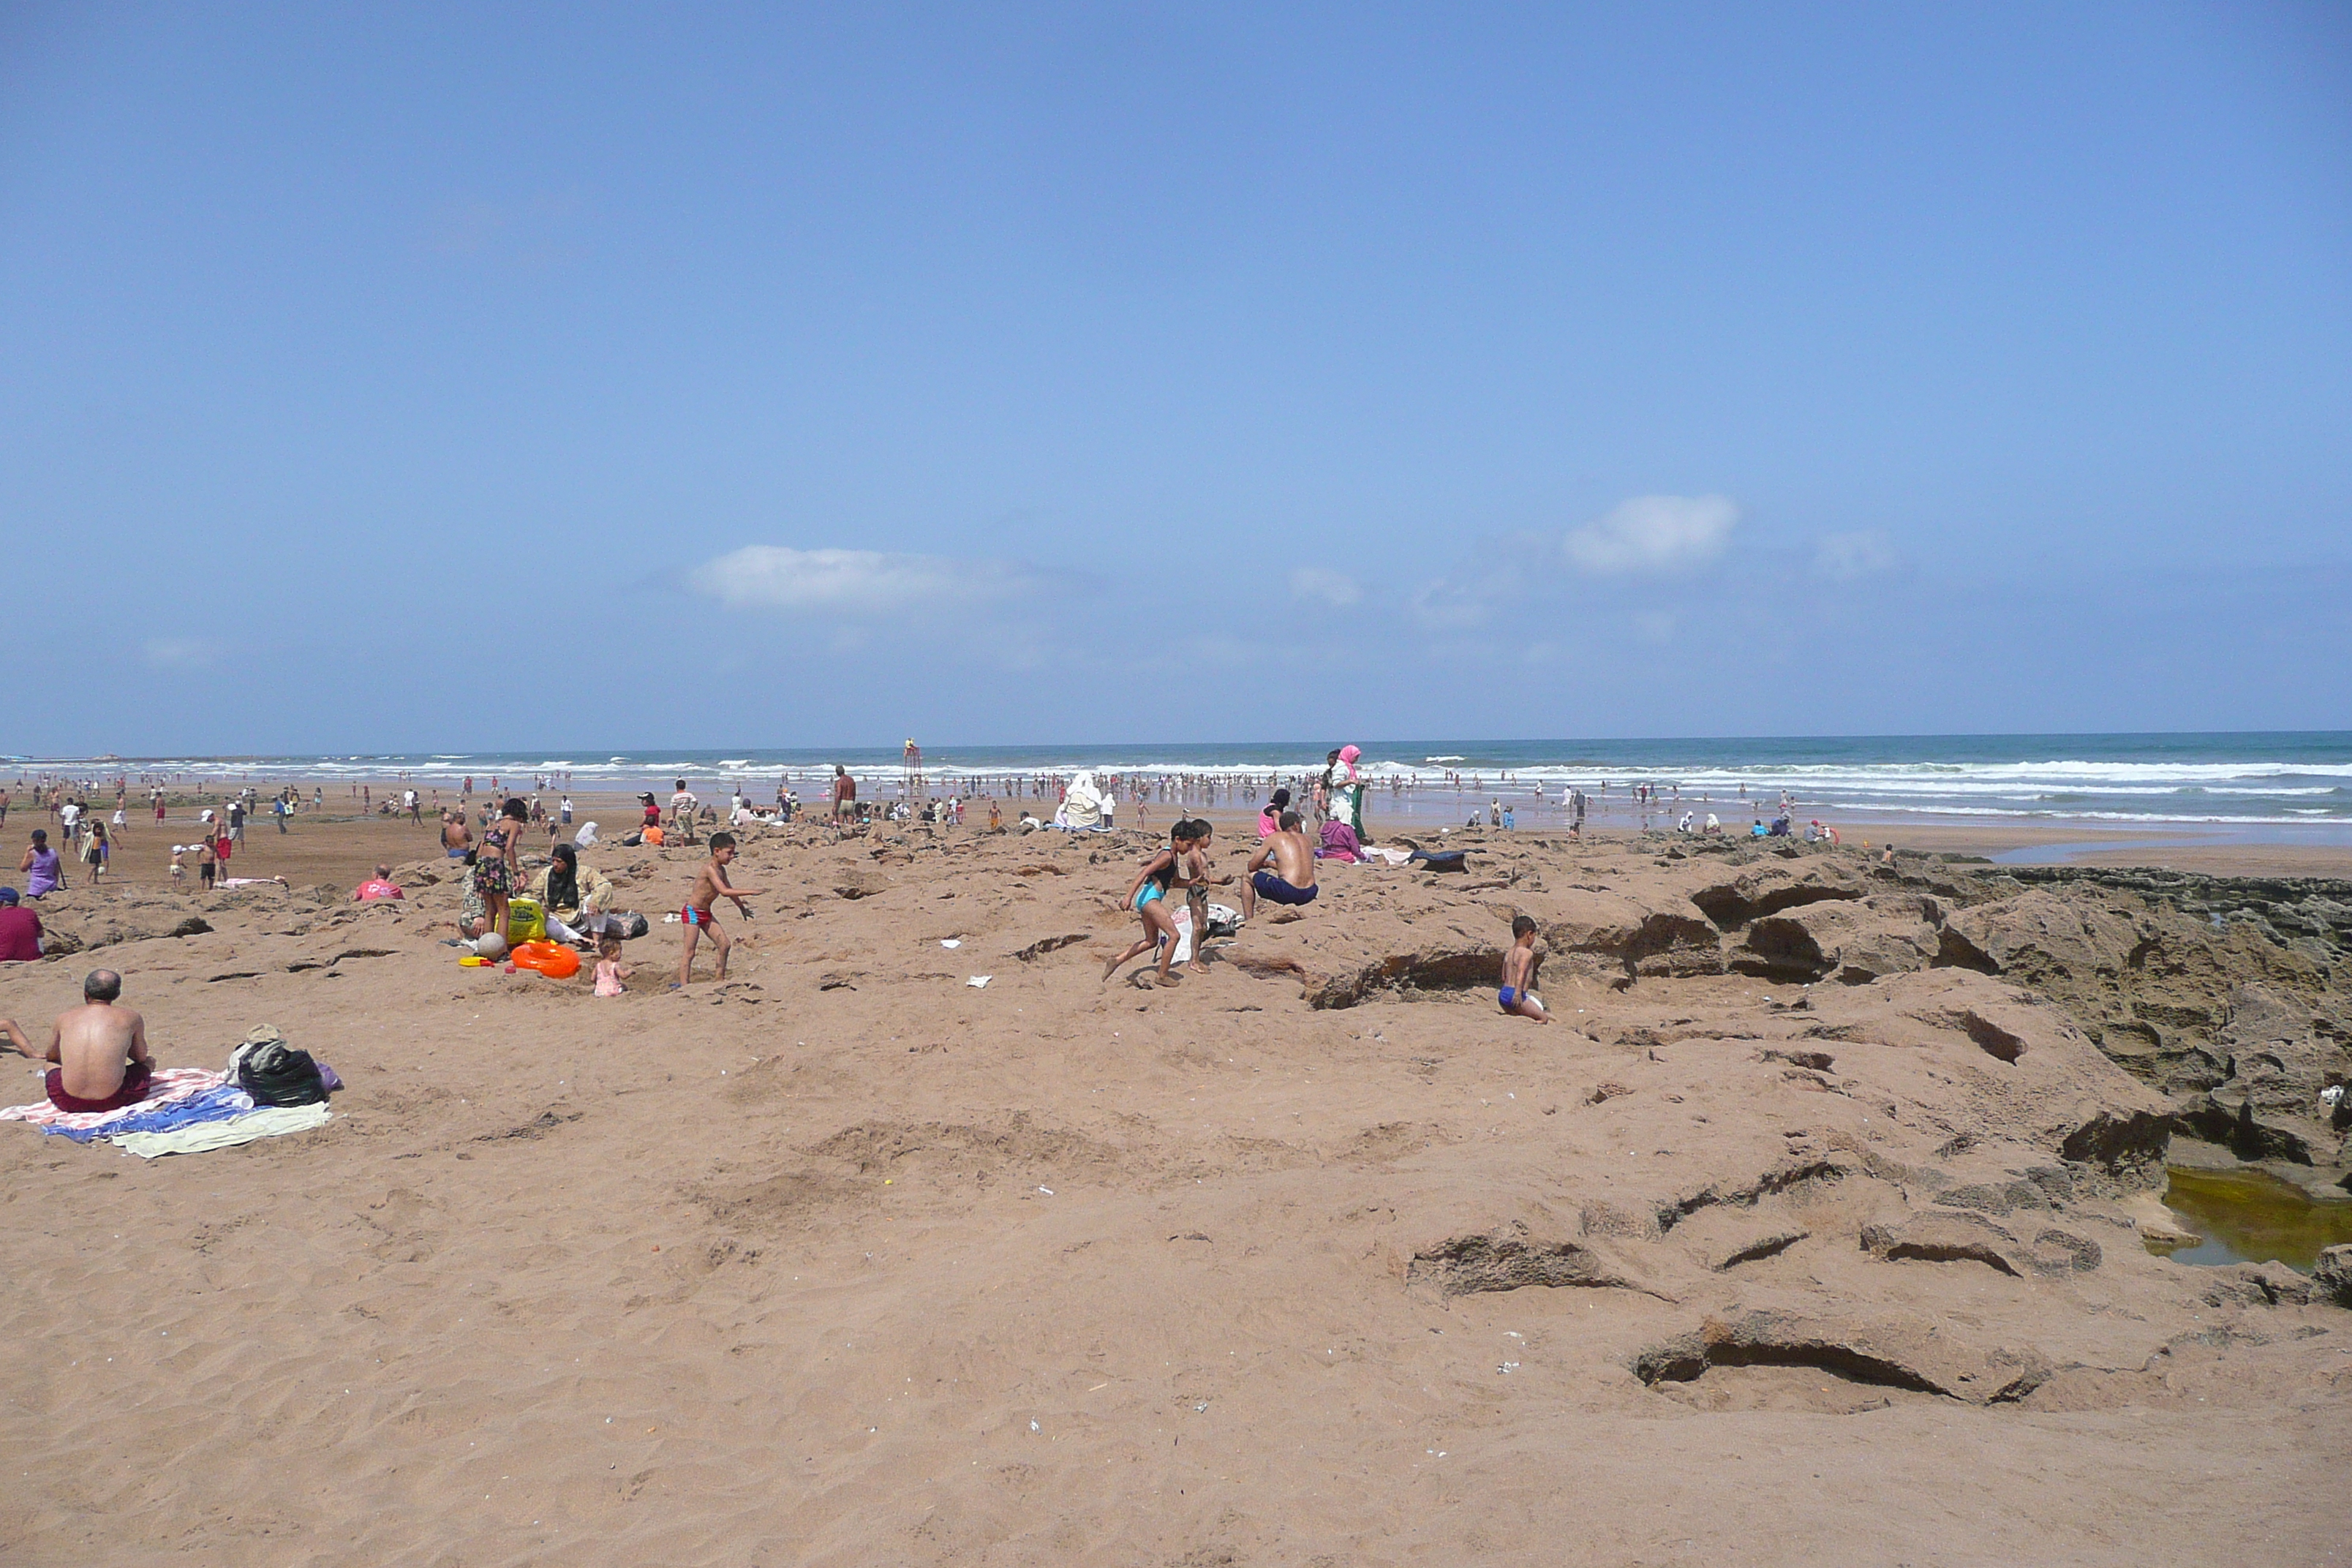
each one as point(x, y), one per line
point(273, 1122)
point(217, 1104)
point(169, 1084)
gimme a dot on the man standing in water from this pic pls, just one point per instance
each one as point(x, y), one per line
point(101, 1049)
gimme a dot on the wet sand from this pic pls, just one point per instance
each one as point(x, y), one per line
point(340, 847)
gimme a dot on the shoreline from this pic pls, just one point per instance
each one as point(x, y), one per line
point(342, 847)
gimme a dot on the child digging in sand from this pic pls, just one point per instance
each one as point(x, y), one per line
point(1147, 897)
point(710, 885)
point(1517, 995)
point(612, 978)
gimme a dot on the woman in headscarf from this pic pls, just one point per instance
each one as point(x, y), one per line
point(572, 897)
point(1348, 793)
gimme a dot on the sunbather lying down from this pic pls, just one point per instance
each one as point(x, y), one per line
point(1444, 860)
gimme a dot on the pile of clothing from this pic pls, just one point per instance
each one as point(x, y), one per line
point(269, 1089)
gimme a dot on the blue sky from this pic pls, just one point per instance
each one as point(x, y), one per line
point(438, 377)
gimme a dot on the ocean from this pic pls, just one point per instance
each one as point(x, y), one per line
point(2291, 786)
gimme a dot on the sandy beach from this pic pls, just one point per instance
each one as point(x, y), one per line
point(1312, 1257)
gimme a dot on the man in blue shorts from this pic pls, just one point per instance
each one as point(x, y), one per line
point(1292, 879)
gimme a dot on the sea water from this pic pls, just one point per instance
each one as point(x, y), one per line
point(2290, 786)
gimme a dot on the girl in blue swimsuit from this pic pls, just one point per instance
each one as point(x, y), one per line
point(1147, 897)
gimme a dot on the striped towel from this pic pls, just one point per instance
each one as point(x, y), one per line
point(168, 1085)
point(217, 1104)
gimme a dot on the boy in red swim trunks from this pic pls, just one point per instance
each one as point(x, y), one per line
point(710, 885)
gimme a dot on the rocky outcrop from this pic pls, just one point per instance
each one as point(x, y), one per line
point(2287, 910)
point(1766, 889)
point(2152, 987)
point(1897, 1354)
point(1636, 931)
point(1852, 942)
point(2281, 1054)
point(81, 921)
point(2332, 1276)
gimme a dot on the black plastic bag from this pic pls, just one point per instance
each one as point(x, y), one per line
point(278, 1073)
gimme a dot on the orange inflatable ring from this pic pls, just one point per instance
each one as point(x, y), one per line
point(551, 959)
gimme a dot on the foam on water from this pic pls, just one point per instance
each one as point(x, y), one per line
point(2273, 781)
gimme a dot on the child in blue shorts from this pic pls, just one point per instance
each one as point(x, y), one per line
point(1517, 995)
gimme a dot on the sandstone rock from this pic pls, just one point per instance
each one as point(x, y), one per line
point(2152, 987)
point(2331, 1278)
point(1768, 889)
point(2268, 1284)
point(2270, 1106)
point(82, 920)
point(1900, 1354)
point(1641, 931)
point(1854, 943)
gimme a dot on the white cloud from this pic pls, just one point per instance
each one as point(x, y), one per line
point(1656, 535)
point(1846, 556)
point(1331, 587)
point(850, 582)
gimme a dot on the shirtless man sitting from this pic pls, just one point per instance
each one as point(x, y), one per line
point(101, 1049)
point(1292, 880)
point(457, 838)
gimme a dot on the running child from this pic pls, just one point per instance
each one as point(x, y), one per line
point(1517, 995)
point(710, 885)
point(1192, 876)
point(1147, 897)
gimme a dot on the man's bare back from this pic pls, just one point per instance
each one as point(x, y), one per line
point(1294, 862)
point(91, 1044)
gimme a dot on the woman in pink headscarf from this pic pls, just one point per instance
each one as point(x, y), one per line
point(1348, 793)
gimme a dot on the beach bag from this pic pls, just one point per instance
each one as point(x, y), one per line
point(526, 921)
point(628, 925)
point(276, 1073)
point(1224, 920)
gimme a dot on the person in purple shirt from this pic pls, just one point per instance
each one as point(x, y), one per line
point(44, 873)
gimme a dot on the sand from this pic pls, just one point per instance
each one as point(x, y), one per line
point(848, 1261)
